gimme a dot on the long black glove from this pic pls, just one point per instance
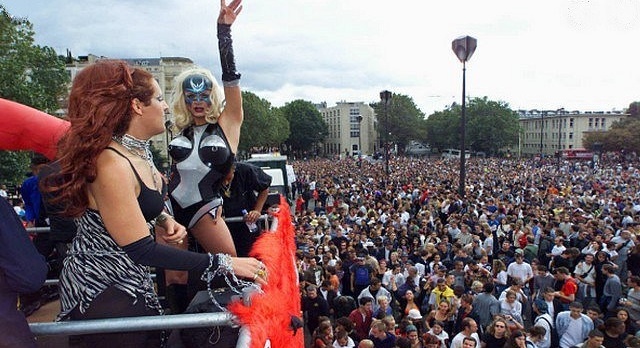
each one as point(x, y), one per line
point(149, 253)
point(225, 44)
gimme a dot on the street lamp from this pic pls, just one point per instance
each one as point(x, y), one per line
point(463, 47)
point(541, 132)
point(559, 113)
point(359, 118)
point(385, 97)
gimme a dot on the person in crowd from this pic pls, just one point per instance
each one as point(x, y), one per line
point(535, 336)
point(466, 310)
point(496, 334)
point(517, 339)
point(375, 290)
point(239, 189)
point(22, 270)
point(486, 305)
point(511, 308)
point(585, 274)
point(614, 332)
point(545, 320)
point(443, 314)
point(323, 336)
point(612, 290)
point(113, 188)
point(631, 327)
point(594, 340)
point(602, 258)
point(342, 339)
point(573, 326)
point(362, 317)
point(565, 286)
point(314, 306)
point(469, 331)
point(380, 337)
point(632, 300)
point(437, 330)
point(384, 307)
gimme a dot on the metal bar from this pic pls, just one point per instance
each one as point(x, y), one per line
point(129, 324)
point(229, 219)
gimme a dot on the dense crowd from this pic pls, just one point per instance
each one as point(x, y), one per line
point(535, 254)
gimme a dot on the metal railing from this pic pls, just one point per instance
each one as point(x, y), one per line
point(129, 324)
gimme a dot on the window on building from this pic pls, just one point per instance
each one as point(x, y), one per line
point(570, 135)
point(597, 119)
point(604, 120)
point(571, 122)
point(590, 122)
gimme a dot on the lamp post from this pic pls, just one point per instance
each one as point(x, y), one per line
point(559, 114)
point(359, 139)
point(541, 132)
point(385, 97)
point(463, 47)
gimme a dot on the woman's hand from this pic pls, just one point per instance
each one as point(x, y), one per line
point(250, 268)
point(229, 13)
point(252, 216)
point(171, 231)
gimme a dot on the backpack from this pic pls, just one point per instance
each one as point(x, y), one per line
point(555, 339)
point(361, 276)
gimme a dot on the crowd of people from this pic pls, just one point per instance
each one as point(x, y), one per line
point(535, 254)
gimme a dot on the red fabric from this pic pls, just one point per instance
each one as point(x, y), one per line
point(269, 314)
point(25, 128)
point(569, 287)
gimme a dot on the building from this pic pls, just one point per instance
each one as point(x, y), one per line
point(351, 129)
point(547, 132)
point(163, 69)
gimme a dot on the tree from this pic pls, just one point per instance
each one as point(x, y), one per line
point(13, 166)
point(402, 122)
point(491, 126)
point(29, 74)
point(306, 125)
point(263, 124)
point(32, 75)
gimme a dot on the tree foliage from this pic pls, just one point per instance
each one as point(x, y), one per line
point(32, 75)
point(13, 166)
point(623, 135)
point(402, 120)
point(306, 125)
point(29, 74)
point(263, 124)
point(490, 126)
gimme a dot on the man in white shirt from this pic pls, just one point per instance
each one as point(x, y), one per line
point(573, 326)
point(520, 269)
point(469, 329)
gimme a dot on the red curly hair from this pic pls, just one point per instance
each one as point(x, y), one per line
point(99, 108)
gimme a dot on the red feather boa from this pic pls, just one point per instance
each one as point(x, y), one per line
point(269, 315)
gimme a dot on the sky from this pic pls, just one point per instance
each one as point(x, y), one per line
point(547, 54)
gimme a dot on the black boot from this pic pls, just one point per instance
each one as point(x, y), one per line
point(177, 299)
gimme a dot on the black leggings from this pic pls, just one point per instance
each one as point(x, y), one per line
point(114, 303)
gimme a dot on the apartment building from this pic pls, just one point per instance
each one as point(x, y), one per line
point(547, 132)
point(352, 129)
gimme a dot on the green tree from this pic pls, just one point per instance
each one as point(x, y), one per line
point(29, 74)
point(263, 124)
point(306, 125)
point(401, 122)
point(13, 166)
point(491, 126)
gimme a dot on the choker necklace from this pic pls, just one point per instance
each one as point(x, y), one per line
point(140, 148)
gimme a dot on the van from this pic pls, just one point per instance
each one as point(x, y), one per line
point(453, 154)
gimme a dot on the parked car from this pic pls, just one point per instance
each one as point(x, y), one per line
point(417, 149)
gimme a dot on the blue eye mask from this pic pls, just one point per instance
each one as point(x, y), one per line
point(197, 88)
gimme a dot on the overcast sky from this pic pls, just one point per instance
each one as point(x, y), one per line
point(547, 54)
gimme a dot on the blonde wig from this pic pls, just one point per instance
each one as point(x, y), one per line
point(179, 108)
